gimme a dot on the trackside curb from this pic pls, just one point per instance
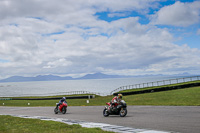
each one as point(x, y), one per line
point(103, 126)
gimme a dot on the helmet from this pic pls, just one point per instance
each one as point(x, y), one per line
point(120, 96)
point(64, 98)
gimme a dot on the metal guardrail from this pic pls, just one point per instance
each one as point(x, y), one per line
point(156, 83)
point(74, 93)
point(56, 98)
point(59, 93)
point(80, 92)
point(5, 98)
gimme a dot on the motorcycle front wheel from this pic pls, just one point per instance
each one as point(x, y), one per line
point(105, 113)
point(64, 110)
point(123, 112)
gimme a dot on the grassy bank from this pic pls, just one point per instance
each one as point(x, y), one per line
point(11, 124)
point(98, 100)
point(156, 87)
point(181, 97)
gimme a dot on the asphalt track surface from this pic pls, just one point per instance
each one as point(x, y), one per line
point(183, 119)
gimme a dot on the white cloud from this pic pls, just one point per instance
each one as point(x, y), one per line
point(42, 37)
point(58, 63)
point(178, 14)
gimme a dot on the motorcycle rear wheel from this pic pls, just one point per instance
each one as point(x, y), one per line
point(105, 113)
point(56, 111)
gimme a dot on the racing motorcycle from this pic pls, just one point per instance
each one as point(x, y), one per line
point(62, 108)
point(120, 109)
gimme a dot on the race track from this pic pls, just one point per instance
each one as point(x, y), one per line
point(184, 119)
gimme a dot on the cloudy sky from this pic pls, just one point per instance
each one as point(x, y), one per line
point(77, 37)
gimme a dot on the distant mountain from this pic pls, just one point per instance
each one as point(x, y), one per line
point(88, 76)
point(53, 77)
point(37, 78)
point(17, 79)
point(101, 76)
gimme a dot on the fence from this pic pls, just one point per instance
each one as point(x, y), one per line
point(156, 83)
point(56, 94)
point(80, 92)
point(76, 93)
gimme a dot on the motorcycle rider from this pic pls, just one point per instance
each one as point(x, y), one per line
point(115, 101)
point(61, 101)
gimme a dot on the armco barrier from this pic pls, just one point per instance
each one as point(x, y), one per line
point(156, 83)
point(5, 98)
point(55, 98)
point(159, 89)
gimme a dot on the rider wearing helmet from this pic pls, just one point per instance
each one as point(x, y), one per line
point(117, 98)
point(115, 101)
point(61, 101)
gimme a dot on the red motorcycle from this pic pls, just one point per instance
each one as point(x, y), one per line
point(61, 108)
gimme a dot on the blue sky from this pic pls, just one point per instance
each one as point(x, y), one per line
point(187, 34)
point(74, 38)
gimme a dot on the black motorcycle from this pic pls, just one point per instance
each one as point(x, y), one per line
point(120, 109)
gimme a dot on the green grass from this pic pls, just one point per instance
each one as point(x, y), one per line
point(9, 124)
point(181, 97)
point(98, 100)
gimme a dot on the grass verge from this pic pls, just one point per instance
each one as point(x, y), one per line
point(181, 97)
point(11, 124)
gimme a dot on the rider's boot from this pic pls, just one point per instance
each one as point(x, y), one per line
point(57, 106)
point(112, 108)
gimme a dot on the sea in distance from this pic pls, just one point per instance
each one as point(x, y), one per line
point(61, 87)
